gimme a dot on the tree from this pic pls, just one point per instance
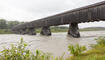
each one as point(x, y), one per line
point(3, 24)
point(12, 23)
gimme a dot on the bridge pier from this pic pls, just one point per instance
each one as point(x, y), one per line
point(46, 31)
point(20, 31)
point(31, 31)
point(23, 31)
point(74, 30)
point(16, 32)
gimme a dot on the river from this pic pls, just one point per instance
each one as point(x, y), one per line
point(56, 44)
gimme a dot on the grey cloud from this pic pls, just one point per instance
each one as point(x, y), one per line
point(39, 8)
point(28, 10)
point(49, 5)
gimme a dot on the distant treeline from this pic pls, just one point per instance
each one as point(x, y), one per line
point(5, 27)
point(4, 24)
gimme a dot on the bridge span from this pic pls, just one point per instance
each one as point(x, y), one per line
point(90, 13)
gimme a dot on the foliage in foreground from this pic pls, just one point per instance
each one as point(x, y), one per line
point(76, 50)
point(96, 53)
point(20, 52)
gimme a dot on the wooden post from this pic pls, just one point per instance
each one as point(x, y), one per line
point(46, 31)
point(74, 30)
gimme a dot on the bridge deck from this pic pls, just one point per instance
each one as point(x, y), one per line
point(90, 13)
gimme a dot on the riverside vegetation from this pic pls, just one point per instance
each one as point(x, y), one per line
point(97, 51)
point(5, 26)
point(21, 52)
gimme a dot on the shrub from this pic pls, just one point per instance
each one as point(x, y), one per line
point(19, 52)
point(101, 40)
point(97, 52)
point(100, 43)
point(76, 50)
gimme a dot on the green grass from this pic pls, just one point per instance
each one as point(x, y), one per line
point(5, 31)
point(65, 29)
point(59, 29)
point(96, 53)
point(76, 50)
point(55, 29)
point(93, 29)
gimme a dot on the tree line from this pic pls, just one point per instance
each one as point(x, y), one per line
point(4, 24)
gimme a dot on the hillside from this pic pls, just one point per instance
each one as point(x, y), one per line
point(93, 29)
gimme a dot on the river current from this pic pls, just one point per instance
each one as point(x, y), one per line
point(56, 44)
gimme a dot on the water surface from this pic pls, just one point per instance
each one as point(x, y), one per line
point(56, 44)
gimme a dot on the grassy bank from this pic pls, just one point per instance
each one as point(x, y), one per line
point(93, 29)
point(96, 53)
point(55, 29)
point(65, 29)
point(5, 31)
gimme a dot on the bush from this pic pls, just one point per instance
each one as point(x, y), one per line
point(20, 52)
point(101, 40)
point(100, 43)
point(97, 52)
point(76, 50)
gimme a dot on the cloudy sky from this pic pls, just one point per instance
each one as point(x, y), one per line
point(29, 10)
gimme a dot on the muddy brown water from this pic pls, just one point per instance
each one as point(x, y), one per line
point(56, 44)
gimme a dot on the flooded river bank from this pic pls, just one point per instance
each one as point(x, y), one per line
point(56, 44)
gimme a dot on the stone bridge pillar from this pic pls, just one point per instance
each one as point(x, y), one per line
point(74, 30)
point(20, 31)
point(24, 31)
point(16, 32)
point(31, 31)
point(46, 31)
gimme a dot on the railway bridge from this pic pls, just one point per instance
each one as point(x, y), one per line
point(90, 13)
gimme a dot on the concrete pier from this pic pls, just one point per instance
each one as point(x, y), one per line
point(24, 31)
point(31, 31)
point(74, 30)
point(46, 31)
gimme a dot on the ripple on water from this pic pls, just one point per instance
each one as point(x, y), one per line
point(56, 44)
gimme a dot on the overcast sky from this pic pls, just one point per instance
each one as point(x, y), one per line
point(29, 10)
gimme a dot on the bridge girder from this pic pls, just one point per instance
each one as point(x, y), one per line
point(90, 13)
